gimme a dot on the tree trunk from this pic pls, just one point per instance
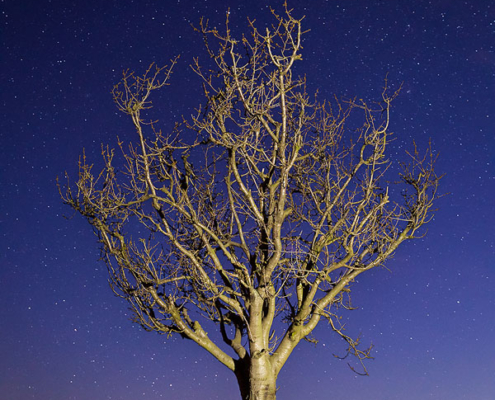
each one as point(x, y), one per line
point(256, 379)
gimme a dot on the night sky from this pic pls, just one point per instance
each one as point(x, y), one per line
point(431, 317)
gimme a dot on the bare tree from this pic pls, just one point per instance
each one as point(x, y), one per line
point(256, 228)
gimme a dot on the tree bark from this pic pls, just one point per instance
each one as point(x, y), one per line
point(256, 378)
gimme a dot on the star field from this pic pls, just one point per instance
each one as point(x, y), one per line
point(63, 334)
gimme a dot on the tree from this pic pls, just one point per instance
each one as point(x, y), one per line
point(257, 227)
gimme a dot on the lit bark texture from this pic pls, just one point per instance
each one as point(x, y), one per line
point(246, 225)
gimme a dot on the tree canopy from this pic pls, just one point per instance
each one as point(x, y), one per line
point(260, 224)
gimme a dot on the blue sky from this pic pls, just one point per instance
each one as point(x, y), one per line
point(65, 336)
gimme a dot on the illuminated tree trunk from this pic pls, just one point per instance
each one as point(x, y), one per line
point(257, 380)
